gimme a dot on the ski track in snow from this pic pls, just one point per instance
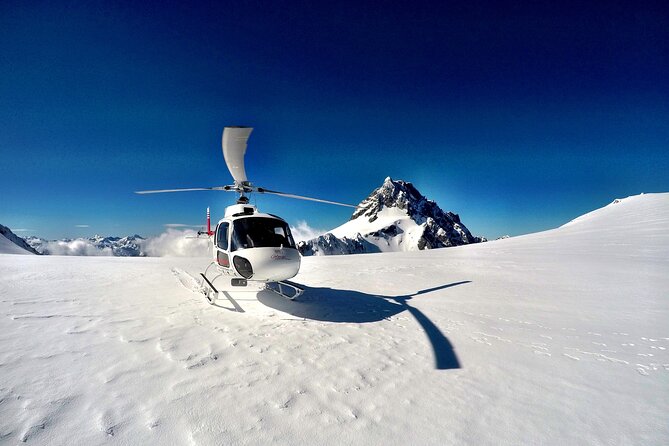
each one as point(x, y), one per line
point(556, 343)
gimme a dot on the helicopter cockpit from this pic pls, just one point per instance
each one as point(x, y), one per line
point(255, 232)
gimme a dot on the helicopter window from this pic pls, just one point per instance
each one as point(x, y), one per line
point(261, 232)
point(222, 236)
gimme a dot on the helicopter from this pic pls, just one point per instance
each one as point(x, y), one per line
point(247, 245)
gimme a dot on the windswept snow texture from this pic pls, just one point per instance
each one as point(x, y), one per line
point(395, 217)
point(557, 338)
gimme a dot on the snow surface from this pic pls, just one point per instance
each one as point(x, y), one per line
point(9, 247)
point(558, 337)
point(406, 240)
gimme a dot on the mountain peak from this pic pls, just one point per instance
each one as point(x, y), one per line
point(395, 194)
point(394, 217)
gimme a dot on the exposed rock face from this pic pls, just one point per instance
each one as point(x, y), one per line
point(420, 224)
point(330, 245)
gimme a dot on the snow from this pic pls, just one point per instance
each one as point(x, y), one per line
point(406, 241)
point(559, 337)
point(9, 247)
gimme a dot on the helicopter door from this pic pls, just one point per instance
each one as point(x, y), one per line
point(222, 245)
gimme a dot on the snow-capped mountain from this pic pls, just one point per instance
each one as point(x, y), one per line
point(395, 217)
point(130, 246)
point(11, 243)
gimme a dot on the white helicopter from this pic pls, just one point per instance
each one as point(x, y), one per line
point(248, 245)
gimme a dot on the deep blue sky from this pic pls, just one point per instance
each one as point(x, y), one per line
point(517, 117)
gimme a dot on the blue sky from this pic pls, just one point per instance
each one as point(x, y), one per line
point(517, 117)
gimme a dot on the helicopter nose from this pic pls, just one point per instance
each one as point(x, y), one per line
point(268, 264)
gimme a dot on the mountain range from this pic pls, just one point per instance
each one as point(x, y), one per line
point(394, 217)
point(130, 246)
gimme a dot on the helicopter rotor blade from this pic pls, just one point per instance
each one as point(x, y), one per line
point(228, 188)
point(234, 147)
point(300, 197)
point(234, 143)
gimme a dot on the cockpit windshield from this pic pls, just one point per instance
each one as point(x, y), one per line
point(261, 232)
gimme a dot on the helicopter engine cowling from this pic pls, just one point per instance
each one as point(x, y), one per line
point(267, 264)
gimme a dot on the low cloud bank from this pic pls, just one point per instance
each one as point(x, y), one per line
point(303, 231)
point(78, 247)
point(176, 243)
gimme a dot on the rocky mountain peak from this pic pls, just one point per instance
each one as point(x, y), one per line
point(426, 225)
point(392, 193)
point(404, 196)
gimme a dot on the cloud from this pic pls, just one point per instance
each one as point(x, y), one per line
point(82, 226)
point(303, 231)
point(176, 243)
point(23, 230)
point(79, 247)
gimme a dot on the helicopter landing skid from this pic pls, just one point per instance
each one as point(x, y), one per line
point(284, 289)
point(208, 288)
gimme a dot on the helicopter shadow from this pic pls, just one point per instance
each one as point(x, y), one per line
point(333, 305)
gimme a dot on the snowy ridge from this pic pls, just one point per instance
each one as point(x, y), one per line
point(11, 243)
point(559, 337)
point(625, 211)
point(395, 217)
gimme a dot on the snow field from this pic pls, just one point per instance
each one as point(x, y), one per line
point(559, 337)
